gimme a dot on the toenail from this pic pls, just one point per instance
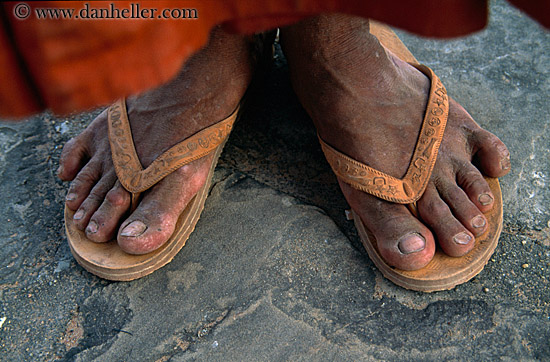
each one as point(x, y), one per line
point(505, 163)
point(70, 197)
point(60, 169)
point(478, 221)
point(485, 199)
point(92, 227)
point(78, 215)
point(411, 243)
point(462, 238)
point(135, 228)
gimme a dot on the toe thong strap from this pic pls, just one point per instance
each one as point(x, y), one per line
point(408, 189)
point(128, 168)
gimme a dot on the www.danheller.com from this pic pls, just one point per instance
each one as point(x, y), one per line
point(111, 11)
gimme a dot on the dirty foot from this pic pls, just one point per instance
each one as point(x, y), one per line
point(369, 105)
point(207, 90)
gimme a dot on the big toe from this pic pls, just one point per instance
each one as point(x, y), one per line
point(402, 240)
point(154, 220)
point(149, 226)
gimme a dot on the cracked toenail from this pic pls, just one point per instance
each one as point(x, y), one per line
point(78, 215)
point(462, 238)
point(135, 228)
point(70, 197)
point(92, 227)
point(505, 163)
point(478, 221)
point(411, 243)
point(485, 199)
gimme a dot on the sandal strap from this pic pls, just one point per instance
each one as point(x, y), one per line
point(408, 189)
point(128, 168)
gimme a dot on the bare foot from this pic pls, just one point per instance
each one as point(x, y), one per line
point(207, 90)
point(368, 104)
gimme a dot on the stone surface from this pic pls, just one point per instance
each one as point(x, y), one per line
point(273, 270)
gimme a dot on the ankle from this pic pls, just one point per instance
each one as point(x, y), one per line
point(336, 39)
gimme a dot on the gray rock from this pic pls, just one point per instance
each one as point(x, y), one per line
point(273, 270)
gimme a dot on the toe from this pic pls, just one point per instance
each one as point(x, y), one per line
point(474, 185)
point(462, 208)
point(492, 154)
point(148, 227)
point(154, 220)
point(402, 240)
point(453, 237)
point(73, 157)
point(103, 224)
point(92, 200)
point(82, 184)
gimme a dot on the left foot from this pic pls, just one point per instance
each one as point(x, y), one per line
point(368, 104)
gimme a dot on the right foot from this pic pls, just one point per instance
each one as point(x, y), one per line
point(207, 90)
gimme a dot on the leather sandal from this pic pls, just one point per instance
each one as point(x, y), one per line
point(442, 272)
point(108, 260)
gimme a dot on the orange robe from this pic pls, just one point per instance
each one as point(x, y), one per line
point(71, 64)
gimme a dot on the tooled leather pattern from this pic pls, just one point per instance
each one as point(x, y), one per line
point(408, 189)
point(128, 168)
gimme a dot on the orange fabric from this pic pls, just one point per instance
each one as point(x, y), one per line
point(73, 64)
point(77, 64)
point(537, 9)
